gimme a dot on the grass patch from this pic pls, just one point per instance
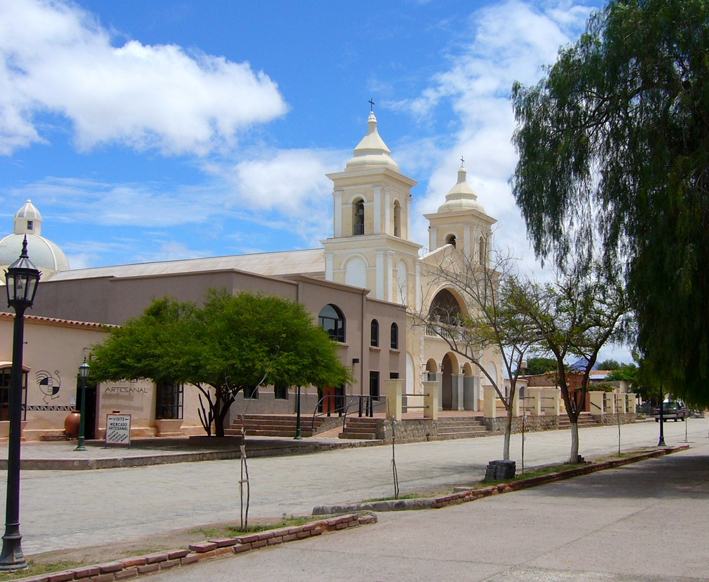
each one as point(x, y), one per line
point(35, 569)
point(235, 530)
point(407, 496)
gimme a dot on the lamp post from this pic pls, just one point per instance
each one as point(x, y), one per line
point(661, 443)
point(84, 370)
point(21, 280)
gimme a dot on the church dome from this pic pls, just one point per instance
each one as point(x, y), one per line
point(45, 254)
point(461, 196)
point(371, 152)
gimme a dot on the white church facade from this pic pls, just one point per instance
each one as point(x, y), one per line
point(367, 280)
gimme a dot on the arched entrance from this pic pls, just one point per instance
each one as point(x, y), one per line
point(447, 383)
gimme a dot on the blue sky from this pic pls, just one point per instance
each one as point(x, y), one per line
point(175, 129)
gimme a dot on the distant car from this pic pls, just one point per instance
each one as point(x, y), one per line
point(672, 411)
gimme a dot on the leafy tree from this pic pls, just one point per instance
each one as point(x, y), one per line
point(232, 343)
point(610, 365)
point(614, 148)
point(576, 315)
point(539, 365)
point(490, 319)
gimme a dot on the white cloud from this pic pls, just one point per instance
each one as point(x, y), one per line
point(285, 189)
point(510, 41)
point(56, 58)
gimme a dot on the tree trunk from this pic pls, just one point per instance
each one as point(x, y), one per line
point(508, 433)
point(574, 456)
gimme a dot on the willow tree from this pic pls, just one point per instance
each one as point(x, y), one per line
point(614, 151)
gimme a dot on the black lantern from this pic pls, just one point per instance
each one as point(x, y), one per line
point(84, 370)
point(21, 280)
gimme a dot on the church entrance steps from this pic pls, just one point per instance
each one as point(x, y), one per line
point(278, 425)
point(459, 428)
point(585, 420)
point(360, 428)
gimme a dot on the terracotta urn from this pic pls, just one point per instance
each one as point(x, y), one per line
point(71, 424)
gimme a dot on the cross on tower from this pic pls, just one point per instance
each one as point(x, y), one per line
point(371, 104)
point(462, 161)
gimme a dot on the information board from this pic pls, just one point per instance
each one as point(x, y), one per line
point(118, 429)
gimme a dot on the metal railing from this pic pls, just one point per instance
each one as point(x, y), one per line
point(343, 404)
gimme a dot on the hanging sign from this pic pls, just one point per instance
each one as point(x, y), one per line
point(118, 429)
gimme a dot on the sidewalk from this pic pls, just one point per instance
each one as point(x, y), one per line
point(74, 509)
point(62, 456)
point(644, 522)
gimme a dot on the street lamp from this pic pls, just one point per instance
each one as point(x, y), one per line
point(84, 370)
point(661, 442)
point(21, 280)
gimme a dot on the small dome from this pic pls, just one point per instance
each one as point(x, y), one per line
point(461, 196)
point(371, 151)
point(45, 254)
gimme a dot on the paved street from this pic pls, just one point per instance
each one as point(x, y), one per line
point(67, 509)
point(645, 522)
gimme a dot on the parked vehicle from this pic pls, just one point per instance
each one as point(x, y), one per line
point(672, 411)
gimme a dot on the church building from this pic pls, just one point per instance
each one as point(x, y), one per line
point(364, 286)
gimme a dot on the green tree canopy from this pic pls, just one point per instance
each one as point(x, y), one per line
point(614, 148)
point(538, 365)
point(232, 343)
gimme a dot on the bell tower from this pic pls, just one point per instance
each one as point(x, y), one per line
point(371, 245)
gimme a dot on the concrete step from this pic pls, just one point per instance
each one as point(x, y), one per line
point(459, 435)
point(358, 435)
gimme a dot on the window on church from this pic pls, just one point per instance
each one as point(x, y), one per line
point(374, 333)
point(168, 400)
point(5, 376)
point(280, 392)
point(30, 224)
point(394, 336)
point(374, 385)
point(333, 322)
point(251, 392)
point(358, 218)
point(397, 218)
point(481, 251)
point(451, 240)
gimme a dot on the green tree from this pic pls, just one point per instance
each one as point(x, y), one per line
point(610, 365)
point(488, 320)
point(575, 316)
point(232, 343)
point(539, 365)
point(614, 148)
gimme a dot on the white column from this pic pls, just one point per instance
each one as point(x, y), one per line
point(466, 241)
point(430, 400)
point(387, 214)
point(432, 239)
point(328, 267)
point(394, 390)
point(390, 277)
point(338, 214)
point(377, 209)
point(407, 234)
point(379, 291)
point(417, 298)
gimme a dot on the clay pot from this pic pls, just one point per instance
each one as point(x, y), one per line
point(71, 424)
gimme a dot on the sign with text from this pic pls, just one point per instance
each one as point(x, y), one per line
point(117, 429)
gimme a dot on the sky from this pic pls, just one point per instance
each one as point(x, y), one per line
point(163, 130)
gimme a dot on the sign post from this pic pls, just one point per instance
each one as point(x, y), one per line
point(118, 429)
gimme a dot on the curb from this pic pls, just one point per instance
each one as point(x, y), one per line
point(169, 459)
point(161, 561)
point(473, 494)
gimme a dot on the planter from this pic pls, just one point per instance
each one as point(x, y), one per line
point(71, 424)
point(5, 428)
point(169, 427)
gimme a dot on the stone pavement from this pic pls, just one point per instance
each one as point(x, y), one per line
point(645, 522)
point(68, 509)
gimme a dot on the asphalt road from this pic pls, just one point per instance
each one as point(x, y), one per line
point(645, 522)
point(69, 509)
